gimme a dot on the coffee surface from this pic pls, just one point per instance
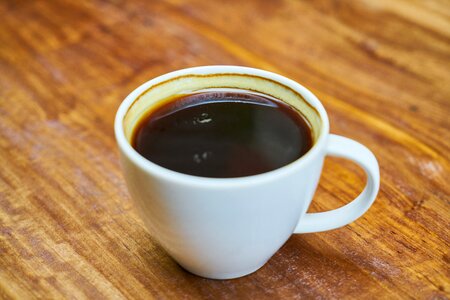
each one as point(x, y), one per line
point(222, 134)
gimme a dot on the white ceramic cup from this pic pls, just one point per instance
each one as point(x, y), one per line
point(225, 228)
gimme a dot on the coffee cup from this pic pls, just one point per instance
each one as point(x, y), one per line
point(225, 228)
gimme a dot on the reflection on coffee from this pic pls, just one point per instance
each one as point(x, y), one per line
point(222, 134)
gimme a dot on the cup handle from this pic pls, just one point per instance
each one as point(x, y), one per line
point(340, 146)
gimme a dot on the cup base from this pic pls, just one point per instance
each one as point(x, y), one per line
point(224, 276)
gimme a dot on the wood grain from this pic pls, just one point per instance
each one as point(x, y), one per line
point(67, 226)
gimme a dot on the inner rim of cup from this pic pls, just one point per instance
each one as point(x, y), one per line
point(167, 90)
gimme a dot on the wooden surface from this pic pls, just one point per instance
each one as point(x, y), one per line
point(67, 226)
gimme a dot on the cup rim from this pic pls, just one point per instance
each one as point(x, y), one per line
point(182, 178)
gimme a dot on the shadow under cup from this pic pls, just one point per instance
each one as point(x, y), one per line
point(164, 91)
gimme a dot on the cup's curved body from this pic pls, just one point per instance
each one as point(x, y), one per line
point(222, 231)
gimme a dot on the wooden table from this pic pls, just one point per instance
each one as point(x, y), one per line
point(67, 225)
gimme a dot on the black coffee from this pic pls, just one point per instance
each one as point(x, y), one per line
point(222, 134)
